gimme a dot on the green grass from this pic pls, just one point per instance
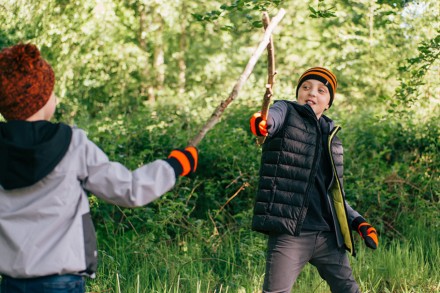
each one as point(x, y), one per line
point(233, 261)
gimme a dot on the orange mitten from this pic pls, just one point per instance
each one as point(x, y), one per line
point(367, 232)
point(258, 125)
point(184, 161)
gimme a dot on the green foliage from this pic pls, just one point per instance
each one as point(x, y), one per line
point(394, 3)
point(413, 76)
point(392, 170)
point(145, 136)
point(245, 8)
point(232, 260)
point(322, 11)
point(187, 264)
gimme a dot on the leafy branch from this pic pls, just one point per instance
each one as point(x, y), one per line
point(322, 11)
point(245, 7)
point(415, 69)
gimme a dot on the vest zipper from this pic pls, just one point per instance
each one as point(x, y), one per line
point(302, 213)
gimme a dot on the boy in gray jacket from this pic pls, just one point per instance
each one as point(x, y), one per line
point(47, 238)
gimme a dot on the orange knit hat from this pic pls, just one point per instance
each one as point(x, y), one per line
point(26, 81)
point(322, 74)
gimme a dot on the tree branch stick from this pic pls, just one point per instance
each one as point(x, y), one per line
point(270, 77)
point(215, 117)
point(270, 70)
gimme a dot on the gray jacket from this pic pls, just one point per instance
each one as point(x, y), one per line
point(46, 229)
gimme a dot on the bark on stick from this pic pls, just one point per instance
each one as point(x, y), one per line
point(270, 77)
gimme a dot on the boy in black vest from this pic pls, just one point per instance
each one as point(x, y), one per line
point(300, 201)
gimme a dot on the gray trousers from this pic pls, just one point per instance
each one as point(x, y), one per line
point(287, 255)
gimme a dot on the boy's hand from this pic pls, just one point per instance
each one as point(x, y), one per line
point(258, 125)
point(184, 161)
point(367, 232)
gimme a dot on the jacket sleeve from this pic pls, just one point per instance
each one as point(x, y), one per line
point(351, 214)
point(276, 117)
point(114, 183)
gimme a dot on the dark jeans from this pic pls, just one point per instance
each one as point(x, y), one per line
point(287, 255)
point(49, 284)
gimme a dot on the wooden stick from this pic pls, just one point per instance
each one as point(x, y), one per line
point(270, 77)
point(215, 117)
point(243, 186)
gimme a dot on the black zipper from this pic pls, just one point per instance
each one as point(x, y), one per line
point(302, 213)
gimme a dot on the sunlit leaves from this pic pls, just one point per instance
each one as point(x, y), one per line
point(322, 11)
point(396, 3)
point(413, 75)
point(249, 10)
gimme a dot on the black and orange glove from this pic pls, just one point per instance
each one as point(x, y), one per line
point(258, 125)
point(367, 232)
point(184, 161)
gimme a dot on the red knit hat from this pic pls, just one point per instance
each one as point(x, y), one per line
point(26, 81)
point(322, 74)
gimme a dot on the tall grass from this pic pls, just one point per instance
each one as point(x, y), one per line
point(233, 261)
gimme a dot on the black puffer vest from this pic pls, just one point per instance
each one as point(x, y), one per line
point(288, 167)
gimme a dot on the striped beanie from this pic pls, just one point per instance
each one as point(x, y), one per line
point(26, 81)
point(323, 75)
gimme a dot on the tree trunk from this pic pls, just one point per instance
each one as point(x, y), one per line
point(143, 45)
point(182, 50)
point(158, 62)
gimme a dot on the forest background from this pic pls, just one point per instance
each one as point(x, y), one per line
point(143, 76)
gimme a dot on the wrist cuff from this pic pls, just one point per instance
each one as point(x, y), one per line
point(178, 169)
point(356, 222)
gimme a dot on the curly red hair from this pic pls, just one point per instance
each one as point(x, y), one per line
point(26, 81)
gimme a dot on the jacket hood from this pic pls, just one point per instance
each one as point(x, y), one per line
point(30, 150)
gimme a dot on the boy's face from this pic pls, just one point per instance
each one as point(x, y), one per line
point(315, 94)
